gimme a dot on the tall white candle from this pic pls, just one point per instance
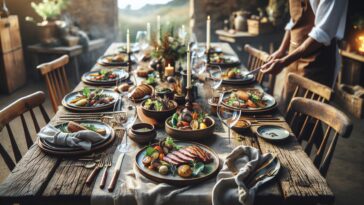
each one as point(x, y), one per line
point(158, 28)
point(148, 32)
point(188, 67)
point(127, 41)
point(208, 30)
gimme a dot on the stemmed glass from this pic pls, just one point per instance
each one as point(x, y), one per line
point(213, 78)
point(198, 64)
point(229, 116)
point(142, 43)
point(126, 111)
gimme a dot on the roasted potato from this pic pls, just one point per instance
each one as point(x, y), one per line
point(184, 171)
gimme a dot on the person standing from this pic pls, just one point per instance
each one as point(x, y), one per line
point(310, 40)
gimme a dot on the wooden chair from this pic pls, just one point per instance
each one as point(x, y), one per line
point(15, 110)
point(336, 124)
point(307, 88)
point(56, 79)
point(256, 59)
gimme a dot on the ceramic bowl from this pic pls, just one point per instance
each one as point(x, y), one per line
point(242, 126)
point(189, 135)
point(160, 115)
point(142, 133)
point(165, 93)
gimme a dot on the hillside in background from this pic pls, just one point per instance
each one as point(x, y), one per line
point(175, 12)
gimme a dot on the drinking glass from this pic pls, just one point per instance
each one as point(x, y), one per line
point(125, 111)
point(142, 44)
point(198, 64)
point(142, 40)
point(229, 116)
point(213, 77)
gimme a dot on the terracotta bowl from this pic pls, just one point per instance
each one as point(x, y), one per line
point(138, 135)
point(242, 126)
point(159, 115)
point(189, 135)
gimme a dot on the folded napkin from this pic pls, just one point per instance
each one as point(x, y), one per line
point(230, 188)
point(83, 138)
point(147, 192)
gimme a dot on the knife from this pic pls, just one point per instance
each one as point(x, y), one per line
point(252, 72)
point(116, 173)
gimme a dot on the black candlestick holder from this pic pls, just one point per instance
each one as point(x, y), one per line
point(208, 54)
point(129, 62)
point(188, 99)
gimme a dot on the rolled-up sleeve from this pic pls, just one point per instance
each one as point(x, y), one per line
point(330, 18)
point(289, 25)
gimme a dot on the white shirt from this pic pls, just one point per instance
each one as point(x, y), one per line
point(330, 19)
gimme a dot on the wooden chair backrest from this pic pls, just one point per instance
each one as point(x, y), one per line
point(18, 109)
point(256, 59)
point(310, 89)
point(303, 111)
point(56, 79)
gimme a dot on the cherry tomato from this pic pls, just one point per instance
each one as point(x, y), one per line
point(158, 148)
point(184, 123)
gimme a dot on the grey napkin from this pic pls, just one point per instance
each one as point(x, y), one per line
point(230, 188)
point(147, 192)
point(83, 138)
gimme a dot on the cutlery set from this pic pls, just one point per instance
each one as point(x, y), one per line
point(104, 163)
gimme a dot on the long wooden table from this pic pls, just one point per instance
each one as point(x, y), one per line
point(42, 179)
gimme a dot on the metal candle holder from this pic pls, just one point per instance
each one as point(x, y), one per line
point(208, 54)
point(188, 99)
point(129, 62)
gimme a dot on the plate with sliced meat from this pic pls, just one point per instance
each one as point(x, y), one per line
point(179, 163)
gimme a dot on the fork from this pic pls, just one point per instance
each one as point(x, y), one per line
point(107, 164)
point(269, 173)
point(94, 172)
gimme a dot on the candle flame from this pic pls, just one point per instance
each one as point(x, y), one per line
point(361, 43)
point(208, 17)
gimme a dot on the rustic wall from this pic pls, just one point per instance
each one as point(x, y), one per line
point(98, 17)
point(219, 10)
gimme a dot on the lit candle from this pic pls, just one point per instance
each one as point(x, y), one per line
point(169, 70)
point(148, 32)
point(127, 41)
point(188, 68)
point(158, 28)
point(208, 28)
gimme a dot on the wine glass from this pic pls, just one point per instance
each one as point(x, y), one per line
point(142, 43)
point(213, 78)
point(229, 116)
point(198, 64)
point(142, 40)
point(125, 111)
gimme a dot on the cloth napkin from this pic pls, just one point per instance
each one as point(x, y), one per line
point(147, 192)
point(83, 139)
point(230, 188)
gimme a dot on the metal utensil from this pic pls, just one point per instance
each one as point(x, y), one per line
point(271, 172)
point(251, 72)
point(116, 173)
point(94, 172)
point(107, 164)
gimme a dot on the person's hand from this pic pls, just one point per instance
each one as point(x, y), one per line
point(273, 67)
point(276, 55)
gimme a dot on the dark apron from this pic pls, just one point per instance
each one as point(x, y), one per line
point(318, 66)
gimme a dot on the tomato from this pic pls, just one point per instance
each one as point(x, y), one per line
point(158, 148)
point(161, 156)
point(184, 123)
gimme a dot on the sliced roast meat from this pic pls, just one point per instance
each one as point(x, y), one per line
point(176, 158)
point(170, 161)
point(183, 156)
point(188, 153)
point(199, 154)
point(206, 154)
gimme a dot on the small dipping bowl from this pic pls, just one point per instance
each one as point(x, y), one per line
point(166, 92)
point(142, 133)
point(213, 105)
point(242, 126)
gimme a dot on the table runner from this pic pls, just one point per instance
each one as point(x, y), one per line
point(196, 194)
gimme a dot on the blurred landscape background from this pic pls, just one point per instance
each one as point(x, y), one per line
point(136, 14)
